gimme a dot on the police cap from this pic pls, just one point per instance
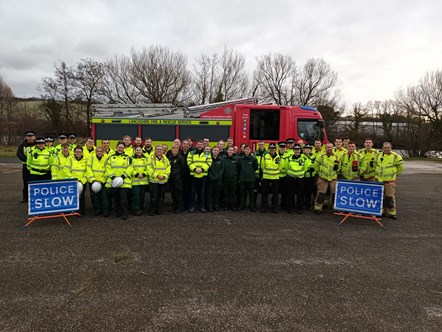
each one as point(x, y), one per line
point(272, 146)
point(30, 133)
point(308, 146)
point(49, 139)
point(62, 135)
point(72, 135)
point(297, 147)
point(282, 144)
point(290, 140)
point(40, 139)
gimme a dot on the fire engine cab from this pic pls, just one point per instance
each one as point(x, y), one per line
point(244, 120)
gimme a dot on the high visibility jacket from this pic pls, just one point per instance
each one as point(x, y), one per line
point(108, 153)
point(129, 150)
point(201, 160)
point(317, 153)
point(139, 165)
point(52, 150)
point(369, 158)
point(327, 166)
point(157, 166)
point(340, 152)
point(231, 168)
point(297, 166)
point(119, 165)
point(96, 169)
point(310, 172)
point(259, 158)
point(72, 147)
point(270, 166)
point(77, 168)
point(388, 166)
point(148, 152)
point(59, 168)
point(283, 164)
point(39, 161)
point(352, 165)
point(23, 150)
point(87, 153)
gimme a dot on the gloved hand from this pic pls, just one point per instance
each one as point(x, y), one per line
point(123, 177)
point(371, 163)
point(113, 177)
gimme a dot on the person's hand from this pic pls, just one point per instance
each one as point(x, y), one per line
point(198, 170)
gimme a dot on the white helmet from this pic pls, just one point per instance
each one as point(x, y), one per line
point(79, 187)
point(96, 187)
point(117, 182)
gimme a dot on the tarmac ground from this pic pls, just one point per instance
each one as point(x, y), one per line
point(225, 271)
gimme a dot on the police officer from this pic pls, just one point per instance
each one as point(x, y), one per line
point(309, 178)
point(296, 169)
point(215, 180)
point(283, 180)
point(327, 166)
point(158, 171)
point(22, 154)
point(39, 161)
point(62, 139)
point(388, 166)
point(248, 166)
point(270, 181)
point(72, 141)
point(49, 142)
point(289, 147)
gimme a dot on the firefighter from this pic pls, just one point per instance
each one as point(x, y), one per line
point(76, 169)
point(59, 167)
point(128, 148)
point(215, 180)
point(199, 164)
point(39, 161)
point(140, 180)
point(230, 180)
point(388, 166)
point(309, 178)
point(177, 169)
point(72, 137)
point(248, 166)
point(119, 165)
point(369, 155)
point(296, 167)
point(270, 181)
point(352, 163)
point(62, 139)
point(95, 171)
point(89, 148)
point(283, 180)
point(317, 148)
point(148, 149)
point(158, 171)
point(327, 167)
point(339, 149)
point(22, 153)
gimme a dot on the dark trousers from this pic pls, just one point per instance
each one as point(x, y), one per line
point(44, 177)
point(25, 174)
point(198, 187)
point(247, 188)
point(295, 194)
point(229, 192)
point(157, 191)
point(119, 198)
point(82, 210)
point(100, 201)
point(309, 187)
point(138, 195)
point(213, 193)
point(269, 186)
point(176, 191)
point(186, 190)
point(283, 190)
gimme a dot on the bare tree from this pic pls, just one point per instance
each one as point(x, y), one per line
point(274, 78)
point(7, 108)
point(204, 74)
point(160, 75)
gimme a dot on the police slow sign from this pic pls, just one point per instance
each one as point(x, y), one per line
point(49, 197)
point(359, 197)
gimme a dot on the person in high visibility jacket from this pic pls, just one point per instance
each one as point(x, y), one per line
point(259, 154)
point(39, 161)
point(128, 147)
point(148, 150)
point(248, 166)
point(89, 148)
point(318, 148)
point(76, 169)
point(270, 181)
point(369, 155)
point(158, 171)
point(297, 166)
point(199, 163)
point(327, 166)
point(309, 178)
point(96, 169)
point(22, 154)
point(49, 142)
point(62, 139)
point(283, 179)
point(230, 180)
point(59, 168)
point(107, 150)
point(140, 180)
point(119, 165)
point(352, 163)
point(388, 166)
point(289, 147)
point(339, 148)
point(72, 142)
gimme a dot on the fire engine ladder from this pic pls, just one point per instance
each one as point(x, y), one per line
point(195, 111)
point(136, 110)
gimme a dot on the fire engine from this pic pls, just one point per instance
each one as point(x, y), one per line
point(244, 120)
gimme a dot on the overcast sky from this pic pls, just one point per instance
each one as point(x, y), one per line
point(376, 46)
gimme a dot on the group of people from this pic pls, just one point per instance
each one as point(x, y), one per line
point(208, 177)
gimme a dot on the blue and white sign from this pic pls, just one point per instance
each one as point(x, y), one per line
point(359, 197)
point(49, 197)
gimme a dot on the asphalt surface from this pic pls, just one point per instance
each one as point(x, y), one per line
point(230, 271)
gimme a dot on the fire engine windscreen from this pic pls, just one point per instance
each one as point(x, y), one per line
point(309, 130)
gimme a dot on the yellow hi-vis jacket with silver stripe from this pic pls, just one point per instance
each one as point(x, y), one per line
point(369, 158)
point(388, 166)
point(283, 164)
point(39, 161)
point(96, 169)
point(158, 166)
point(77, 168)
point(297, 166)
point(59, 168)
point(348, 161)
point(325, 166)
point(201, 160)
point(140, 165)
point(119, 165)
point(270, 166)
point(87, 154)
